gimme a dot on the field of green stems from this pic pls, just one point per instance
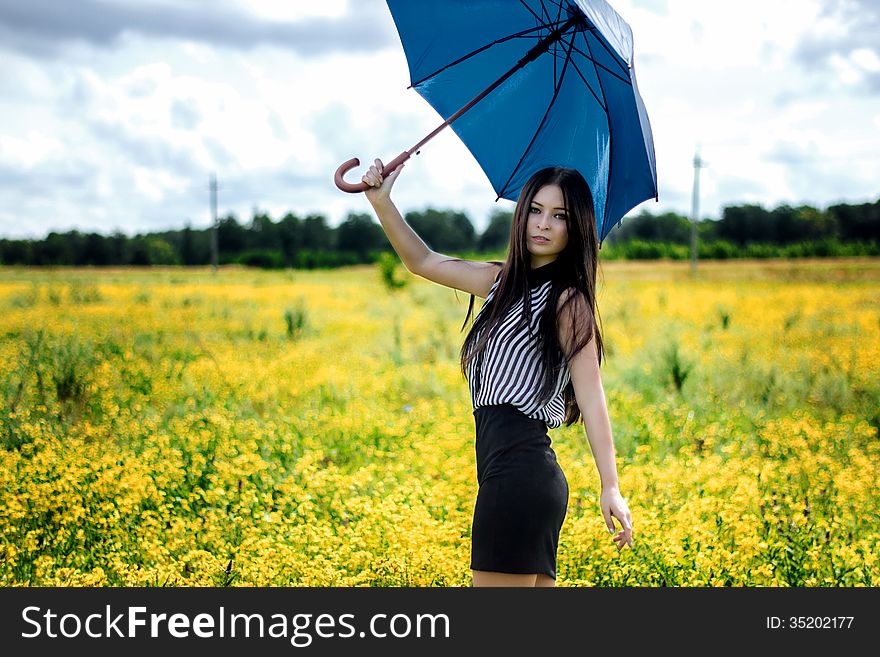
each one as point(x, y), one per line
point(312, 428)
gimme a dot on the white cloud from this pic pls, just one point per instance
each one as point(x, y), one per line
point(866, 59)
point(28, 150)
point(284, 10)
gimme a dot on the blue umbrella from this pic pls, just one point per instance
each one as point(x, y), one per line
point(564, 93)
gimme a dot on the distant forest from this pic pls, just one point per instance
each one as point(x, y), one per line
point(749, 231)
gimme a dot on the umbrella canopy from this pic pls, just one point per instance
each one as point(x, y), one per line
point(575, 103)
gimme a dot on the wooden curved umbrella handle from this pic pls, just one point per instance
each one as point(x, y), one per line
point(354, 188)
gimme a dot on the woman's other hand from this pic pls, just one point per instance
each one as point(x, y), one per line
point(613, 505)
point(380, 186)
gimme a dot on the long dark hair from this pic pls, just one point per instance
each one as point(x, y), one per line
point(578, 268)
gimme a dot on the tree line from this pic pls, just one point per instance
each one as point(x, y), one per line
point(310, 242)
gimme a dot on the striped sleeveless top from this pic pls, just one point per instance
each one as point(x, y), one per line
point(510, 371)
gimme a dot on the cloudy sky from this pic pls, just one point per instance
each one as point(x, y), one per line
point(113, 113)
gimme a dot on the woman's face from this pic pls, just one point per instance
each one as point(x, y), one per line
point(547, 219)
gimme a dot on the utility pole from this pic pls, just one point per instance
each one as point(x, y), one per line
point(212, 185)
point(695, 208)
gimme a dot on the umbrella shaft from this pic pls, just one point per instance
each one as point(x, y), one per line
point(542, 46)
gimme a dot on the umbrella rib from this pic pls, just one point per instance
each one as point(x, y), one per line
point(602, 103)
point(544, 10)
point(600, 65)
point(540, 125)
point(531, 11)
point(558, 82)
point(481, 49)
point(555, 54)
point(555, 43)
point(614, 55)
point(599, 80)
point(558, 7)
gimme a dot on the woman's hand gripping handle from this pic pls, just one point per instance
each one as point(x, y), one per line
point(354, 188)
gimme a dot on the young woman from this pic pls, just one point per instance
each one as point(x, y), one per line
point(528, 369)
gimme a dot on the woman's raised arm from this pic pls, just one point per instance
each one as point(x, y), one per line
point(467, 275)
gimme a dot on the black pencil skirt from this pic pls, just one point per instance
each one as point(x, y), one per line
point(522, 497)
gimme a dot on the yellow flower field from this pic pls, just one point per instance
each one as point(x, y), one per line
point(312, 428)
